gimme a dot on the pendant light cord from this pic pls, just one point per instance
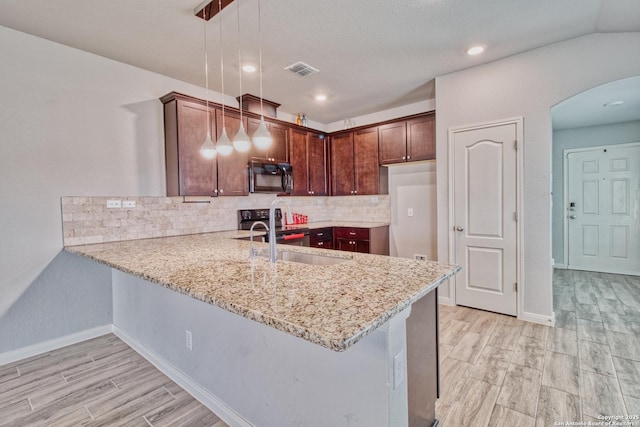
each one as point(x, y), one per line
point(206, 70)
point(221, 62)
point(260, 57)
point(239, 59)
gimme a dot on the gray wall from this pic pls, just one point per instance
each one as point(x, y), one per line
point(413, 185)
point(527, 85)
point(591, 136)
point(74, 124)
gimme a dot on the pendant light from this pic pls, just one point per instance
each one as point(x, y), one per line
point(207, 150)
point(223, 145)
point(241, 141)
point(261, 138)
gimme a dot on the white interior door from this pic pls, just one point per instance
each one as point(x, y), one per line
point(485, 222)
point(603, 209)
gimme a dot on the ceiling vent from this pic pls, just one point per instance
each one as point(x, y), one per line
point(301, 69)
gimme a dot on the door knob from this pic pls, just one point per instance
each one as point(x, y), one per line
point(572, 217)
point(458, 228)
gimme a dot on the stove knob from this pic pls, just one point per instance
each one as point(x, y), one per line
point(246, 215)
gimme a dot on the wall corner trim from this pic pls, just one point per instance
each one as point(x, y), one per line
point(201, 394)
point(53, 344)
point(444, 300)
point(538, 318)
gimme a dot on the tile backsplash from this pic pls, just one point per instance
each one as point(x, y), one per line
point(87, 220)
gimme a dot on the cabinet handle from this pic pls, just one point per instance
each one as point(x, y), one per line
point(320, 243)
point(221, 191)
point(319, 234)
point(404, 158)
point(352, 233)
point(408, 157)
point(355, 192)
point(313, 192)
point(215, 191)
point(351, 191)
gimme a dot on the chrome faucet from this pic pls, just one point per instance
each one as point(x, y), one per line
point(252, 251)
point(273, 253)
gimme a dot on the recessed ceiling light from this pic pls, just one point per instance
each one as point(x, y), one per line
point(321, 97)
point(249, 69)
point(613, 104)
point(475, 50)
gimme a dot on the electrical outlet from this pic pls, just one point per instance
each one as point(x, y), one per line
point(128, 203)
point(419, 257)
point(410, 212)
point(112, 204)
point(399, 367)
point(189, 340)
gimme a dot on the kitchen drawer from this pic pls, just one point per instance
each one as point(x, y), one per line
point(321, 235)
point(323, 244)
point(351, 233)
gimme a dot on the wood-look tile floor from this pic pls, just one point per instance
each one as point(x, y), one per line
point(99, 382)
point(499, 371)
point(495, 370)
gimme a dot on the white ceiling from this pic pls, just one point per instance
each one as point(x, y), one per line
point(588, 108)
point(372, 54)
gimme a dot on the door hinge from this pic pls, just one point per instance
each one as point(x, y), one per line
point(515, 287)
point(515, 216)
point(515, 145)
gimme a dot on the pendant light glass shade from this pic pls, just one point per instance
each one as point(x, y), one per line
point(224, 146)
point(241, 141)
point(262, 137)
point(208, 150)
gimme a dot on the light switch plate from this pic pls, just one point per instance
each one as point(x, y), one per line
point(410, 212)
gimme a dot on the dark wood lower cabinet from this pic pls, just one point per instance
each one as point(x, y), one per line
point(364, 240)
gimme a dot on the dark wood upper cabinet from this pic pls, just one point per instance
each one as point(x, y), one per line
point(318, 159)
point(342, 167)
point(278, 151)
point(393, 143)
point(233, 170)
point(365, 156)
point(299, 162)
point(421, 138)
point(408, 140)
point(308, 157)
point(354, 163)
point(187, 172)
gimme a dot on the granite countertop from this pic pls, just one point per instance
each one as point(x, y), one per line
point(331, 305)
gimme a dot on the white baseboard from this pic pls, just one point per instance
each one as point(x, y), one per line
point(201, 394)
point(54, 344)
point(538, 318)
point(444, 300)
point(560, 266)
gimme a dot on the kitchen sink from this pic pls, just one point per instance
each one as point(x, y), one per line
point(313, 259)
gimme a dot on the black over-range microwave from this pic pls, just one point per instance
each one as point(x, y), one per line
point(267, 177)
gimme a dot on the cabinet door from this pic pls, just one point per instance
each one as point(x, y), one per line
point(318, 165)
point(393, 143)
point(421, 142)
point(299, 162)
point(366, 166)
point(196, 175)
point(280, 147)
point(278, 151)
point(362, 246)
point(342, 164)
point(345, 245)
point(233, 171)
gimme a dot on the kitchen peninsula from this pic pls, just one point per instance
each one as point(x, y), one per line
point(343, 344)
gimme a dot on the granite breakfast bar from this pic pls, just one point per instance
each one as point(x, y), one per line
point(287, 344)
